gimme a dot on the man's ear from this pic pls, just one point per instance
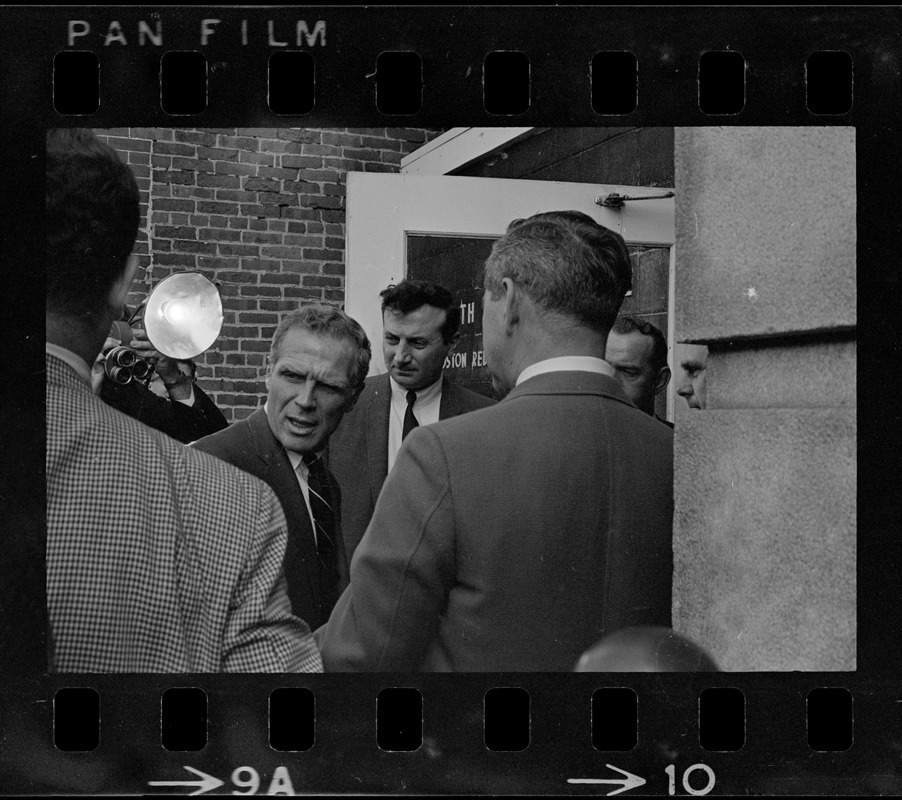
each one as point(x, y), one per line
point(662, 380)
point(455, 340)
point(122, 285)
point(267, 370)
point(512, 303)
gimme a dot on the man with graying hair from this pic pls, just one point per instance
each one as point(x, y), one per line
point(317, 366)
point(159, 558)
point(514, 537)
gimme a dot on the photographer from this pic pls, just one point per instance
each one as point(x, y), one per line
point(177, 406)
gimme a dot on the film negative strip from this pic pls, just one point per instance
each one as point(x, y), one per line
point(273, 148)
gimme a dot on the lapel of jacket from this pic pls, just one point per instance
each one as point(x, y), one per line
point(282, 478)
point(376, 424)
point(449, 404)
point(335, 492)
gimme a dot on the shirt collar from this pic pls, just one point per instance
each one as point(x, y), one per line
point(566, 364)
point(72, 359)
point(399, 393)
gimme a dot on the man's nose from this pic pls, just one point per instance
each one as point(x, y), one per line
point(684, 389)
point(402, 352)
point(305, 394)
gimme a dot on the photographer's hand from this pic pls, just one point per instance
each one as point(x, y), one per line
point(142, 346)
point(176, 382)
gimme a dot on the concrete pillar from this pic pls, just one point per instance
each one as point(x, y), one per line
point(764, 524)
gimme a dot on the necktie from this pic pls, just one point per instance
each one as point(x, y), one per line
point(324, 520)
point(410, 421)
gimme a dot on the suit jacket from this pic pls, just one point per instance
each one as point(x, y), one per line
point(358, 450)
point(515, 537)
point(251, 446)
point(159, 558)
point(178, 420)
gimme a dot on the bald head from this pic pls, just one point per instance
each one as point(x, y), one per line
point(646, 649)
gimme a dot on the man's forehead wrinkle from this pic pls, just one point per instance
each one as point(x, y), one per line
point(309, 365)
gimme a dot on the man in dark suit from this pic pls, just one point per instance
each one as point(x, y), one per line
point(159, 558)
point(421, 328)
point(515, 537)
point(637, 351)
point(317, 364)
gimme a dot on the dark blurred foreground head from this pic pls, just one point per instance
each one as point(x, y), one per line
point(646, 649)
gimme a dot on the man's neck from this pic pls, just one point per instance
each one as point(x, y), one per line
point(77, 336)
point(400, 390)
point(576, 341)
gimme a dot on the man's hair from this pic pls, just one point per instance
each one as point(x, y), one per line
point(409, 295)
point(625, 325)
point(567, 263)
point(92, 221)
point(325, 320)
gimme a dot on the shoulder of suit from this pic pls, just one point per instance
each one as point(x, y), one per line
point(240, 431)
point(467, 396)
point(375, 384)
point(161, 455)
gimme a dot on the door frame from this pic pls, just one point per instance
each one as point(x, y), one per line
point(382, 208)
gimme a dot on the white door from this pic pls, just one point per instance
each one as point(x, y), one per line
point(391, 218)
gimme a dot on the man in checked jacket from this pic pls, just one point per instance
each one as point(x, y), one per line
point(159, 558)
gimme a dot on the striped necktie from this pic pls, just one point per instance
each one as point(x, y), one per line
point(324, 520)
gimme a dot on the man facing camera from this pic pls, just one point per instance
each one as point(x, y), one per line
point(317, 364)
point(421, 327)
point(515, 537)
point(159, 558)
point(637, 351)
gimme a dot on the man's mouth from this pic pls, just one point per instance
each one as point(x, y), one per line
point(301, 426)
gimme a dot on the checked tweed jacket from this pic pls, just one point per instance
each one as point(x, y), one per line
point(159, 558)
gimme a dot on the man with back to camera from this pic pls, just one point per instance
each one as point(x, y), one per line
point(159, 559)
point(692, 376)
point(317, 364)
point(637, 351)
point(515, 537)
point(421, 327)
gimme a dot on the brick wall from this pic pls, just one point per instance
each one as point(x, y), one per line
point(260, 211)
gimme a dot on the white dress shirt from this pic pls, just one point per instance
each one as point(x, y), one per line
point(425, 409)
point(566, 364)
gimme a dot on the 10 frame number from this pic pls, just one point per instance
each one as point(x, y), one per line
point(671, 779)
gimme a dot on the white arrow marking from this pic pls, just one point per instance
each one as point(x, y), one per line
point(205, 784)
point(629, 780)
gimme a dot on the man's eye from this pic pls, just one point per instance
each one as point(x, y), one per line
point(391, 339)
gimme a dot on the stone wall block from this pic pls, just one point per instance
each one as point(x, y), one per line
point(789, 374)
point(764, 537)
point(765, 231)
